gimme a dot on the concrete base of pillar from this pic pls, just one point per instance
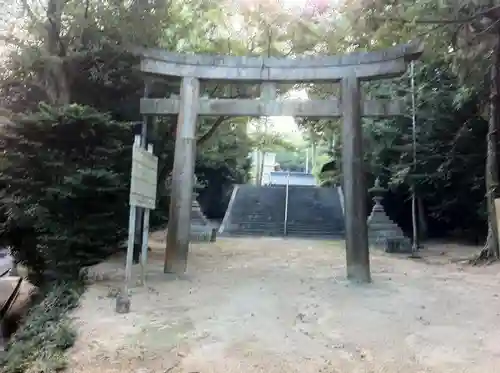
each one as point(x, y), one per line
point(176, 266)
point(200, 230)
point(358, 274)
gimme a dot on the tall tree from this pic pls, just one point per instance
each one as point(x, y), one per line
point(473, 29)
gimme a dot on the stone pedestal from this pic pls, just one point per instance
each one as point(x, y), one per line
point(382, 231)
point(200, 229)
point(197, 217)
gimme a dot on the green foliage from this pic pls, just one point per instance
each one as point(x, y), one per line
point(450, 168)
point(221, 162)
point(39, 345)
point(100, 73)
point(292, 160)
point(65, 188)
point(271, 142)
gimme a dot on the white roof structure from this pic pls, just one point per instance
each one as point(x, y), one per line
point(291, 178)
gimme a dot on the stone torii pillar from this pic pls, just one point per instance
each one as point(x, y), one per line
point(350, 70)
point(358, 261)
point(177, 248)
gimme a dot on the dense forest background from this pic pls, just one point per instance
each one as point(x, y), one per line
point(70, 90)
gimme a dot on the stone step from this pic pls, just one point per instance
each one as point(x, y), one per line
point(312, 211)
point(253, 234)
point(339, 235)
point(263, 231)
point(317, 227)
point(256, 231)
point(264, 217)
point(260, 224)
point(312, 222)
point(314, 229)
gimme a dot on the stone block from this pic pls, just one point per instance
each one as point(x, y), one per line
point(400, 245)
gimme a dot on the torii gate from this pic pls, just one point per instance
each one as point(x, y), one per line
point(349, 69)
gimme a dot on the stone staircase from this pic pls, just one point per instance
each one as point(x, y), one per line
point(255, 211)
point(260, 211)
point(314, 212)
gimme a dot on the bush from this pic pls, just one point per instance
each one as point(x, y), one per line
point(65, 178)
point(39, 345)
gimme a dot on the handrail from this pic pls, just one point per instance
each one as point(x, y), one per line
point(12, 298)
point(6, 272)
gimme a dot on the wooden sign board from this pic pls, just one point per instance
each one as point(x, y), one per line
point(144, 179)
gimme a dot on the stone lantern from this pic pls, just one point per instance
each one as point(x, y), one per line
point(197, 217)
point(382, 231)
point(200, 228)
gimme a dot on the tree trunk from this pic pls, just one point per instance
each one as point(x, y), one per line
point(313, 155)
point(257, 166)
point(331, 141)
point(491, 249)
point(55, 77)
point(422, 220)
point(261, 167)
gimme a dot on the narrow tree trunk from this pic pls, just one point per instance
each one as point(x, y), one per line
point(257, 166)
point(55, 76)
point(331, 141)
point(313, 155)
point(422, 219)
point(491, 249)
point(261, 167)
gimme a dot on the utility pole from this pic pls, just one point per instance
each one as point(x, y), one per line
point(307, 160)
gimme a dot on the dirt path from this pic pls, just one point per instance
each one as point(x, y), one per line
point(272, 305)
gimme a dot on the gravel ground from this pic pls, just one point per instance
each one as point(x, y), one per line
point(275, 305)
point(6, 261)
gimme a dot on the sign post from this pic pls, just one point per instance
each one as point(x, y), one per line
point(142, 194)
point(145, 224)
